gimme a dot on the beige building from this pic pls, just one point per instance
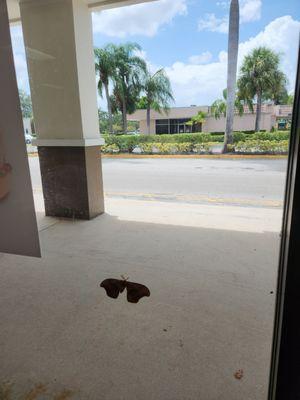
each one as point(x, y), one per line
point(175, 121)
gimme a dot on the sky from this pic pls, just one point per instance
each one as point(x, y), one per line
point(189, 39)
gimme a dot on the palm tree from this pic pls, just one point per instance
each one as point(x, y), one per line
point(290, 99)
point(158, 93)
point(105, 67)
point(198, 119)
point(26, 105)
point(233, 46)
point(129, 73)
point(261, 79)
point(219, 106)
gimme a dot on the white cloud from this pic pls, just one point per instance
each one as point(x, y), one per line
point(223, 4)
point(213, 24)
point(202, 58)
point(196, 82)
point(202, 84)
point(282, 36)
point(141, 19)
point(151, 67)
point(250, 10)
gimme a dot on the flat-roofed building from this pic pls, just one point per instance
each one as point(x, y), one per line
point(177, 118)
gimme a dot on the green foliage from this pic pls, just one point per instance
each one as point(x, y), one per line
point(105, 66)
point(117, 123)
point(197, 119)
point(110, 148)
point(230, 148)
point(130, 70)
point(106, 69)
point(166, 148)
point(271, 136)
point(290, 99)
point(158, 91)
point(261, 77)
point(126, 143)
point(202, 148)
point(219, 106)
point(262, 147)
point(239, 136)
point(26, 105)
point(250, 145)
point(120, 66)
point(282, 97)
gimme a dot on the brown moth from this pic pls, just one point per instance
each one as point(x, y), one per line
point(135, 291)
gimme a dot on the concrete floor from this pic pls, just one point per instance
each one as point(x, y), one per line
point(211, 271)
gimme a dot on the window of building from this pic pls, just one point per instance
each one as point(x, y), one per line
point(162, 126)
point(173, 126)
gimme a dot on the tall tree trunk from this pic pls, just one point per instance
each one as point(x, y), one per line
point(110, 122)
point(148, 119)
point(258, 112)
point(124, 115)
point(233, 47)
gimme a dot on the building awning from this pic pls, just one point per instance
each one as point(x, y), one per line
point(94, 5)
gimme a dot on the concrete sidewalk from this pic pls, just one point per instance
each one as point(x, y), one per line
point(211, 271)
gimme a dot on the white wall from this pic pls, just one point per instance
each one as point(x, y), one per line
point(244, 123)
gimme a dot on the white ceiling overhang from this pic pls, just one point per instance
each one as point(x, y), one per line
point(94, 5)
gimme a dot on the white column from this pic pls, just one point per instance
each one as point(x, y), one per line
point(60, 58)
point(59, 50)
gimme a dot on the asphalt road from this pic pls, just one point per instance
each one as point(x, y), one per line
point(247, 182)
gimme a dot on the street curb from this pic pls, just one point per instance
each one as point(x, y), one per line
point(220, 156)
point(238, 156)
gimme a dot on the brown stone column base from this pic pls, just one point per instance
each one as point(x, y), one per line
point(72, 181)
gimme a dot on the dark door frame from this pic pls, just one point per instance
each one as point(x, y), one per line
point(285, 363)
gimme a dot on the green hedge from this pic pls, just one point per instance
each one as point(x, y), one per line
point(271, 136)
point(243, 147)
point(127, 143)
point(262, 147)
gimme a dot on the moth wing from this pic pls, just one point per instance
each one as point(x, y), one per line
point(113, 287)
point(135, 291)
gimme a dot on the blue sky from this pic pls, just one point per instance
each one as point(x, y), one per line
point(189, 39)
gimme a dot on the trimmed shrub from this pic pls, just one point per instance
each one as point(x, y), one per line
point(126, 143)
point(201, 148)
point(262, 147)
point(110, 148)
point(185, 147)
point(146, 148)
point(196, 142)
point(239, 137)
point(271, 136)
point(230, 148)
point(165, 148)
